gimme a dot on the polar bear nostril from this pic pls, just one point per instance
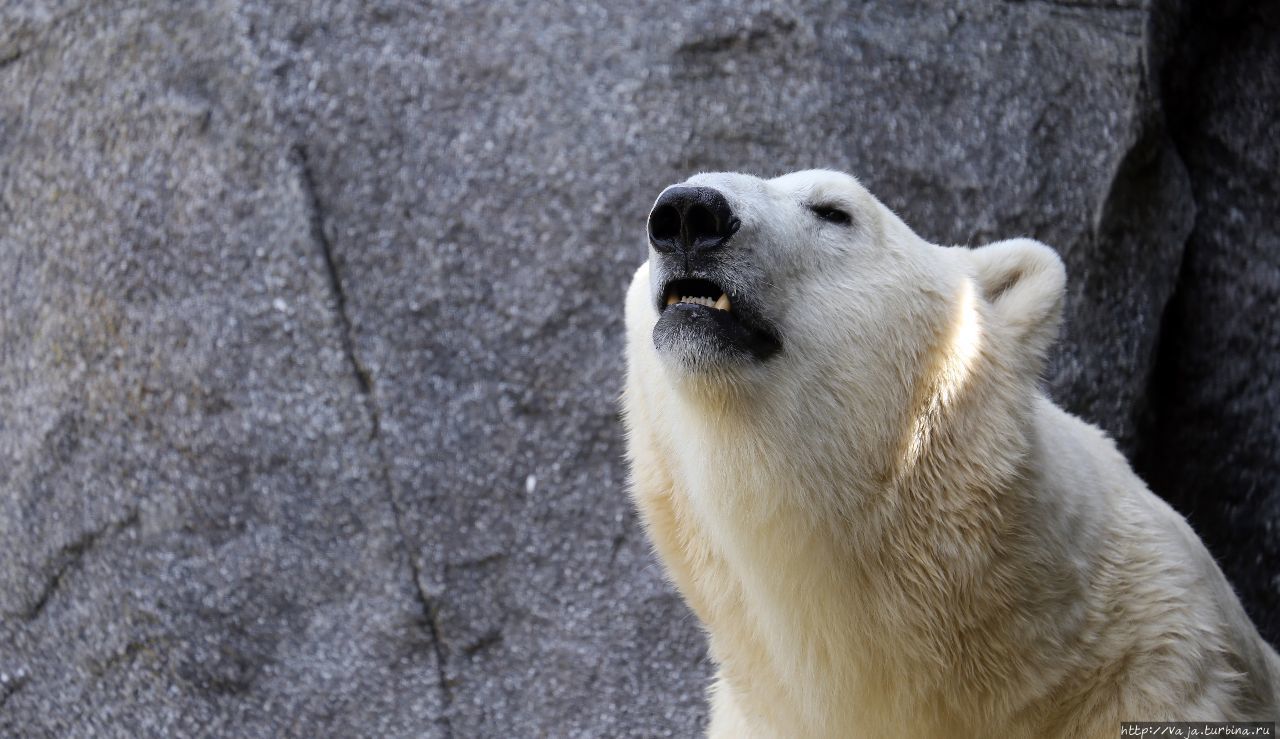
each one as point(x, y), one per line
point(664, 227)
point(700, 223)
point(691, 219)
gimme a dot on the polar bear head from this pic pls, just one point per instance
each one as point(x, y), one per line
point(807, 305)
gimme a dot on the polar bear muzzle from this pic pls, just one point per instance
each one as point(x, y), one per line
point(707, 312)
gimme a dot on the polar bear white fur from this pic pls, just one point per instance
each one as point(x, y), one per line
point(884, 525)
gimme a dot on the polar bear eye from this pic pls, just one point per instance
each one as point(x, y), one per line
point(831, 214)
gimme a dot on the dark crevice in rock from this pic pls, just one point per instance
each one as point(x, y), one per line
point(487, 640)
point(1144, 224)
point(364, 381)
point(758, 31)
point(67, 558)
point(1207, 437)
point(11, 58)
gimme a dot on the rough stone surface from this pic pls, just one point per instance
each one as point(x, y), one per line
point(1212, 440)
point(310, 322)
point(197, 531)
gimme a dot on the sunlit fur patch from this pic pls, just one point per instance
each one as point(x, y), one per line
point(954, 367)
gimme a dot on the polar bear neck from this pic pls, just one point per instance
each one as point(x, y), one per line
point(909, 528)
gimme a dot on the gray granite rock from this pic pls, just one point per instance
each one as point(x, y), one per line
point(310, 342)
point(197, 532)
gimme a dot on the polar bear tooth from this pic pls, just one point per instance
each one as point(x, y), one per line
point(672, 299)
point(722, 303)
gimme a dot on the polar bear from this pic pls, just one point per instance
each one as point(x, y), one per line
point(841, 454)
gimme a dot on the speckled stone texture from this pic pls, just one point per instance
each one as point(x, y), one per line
point(310, 322)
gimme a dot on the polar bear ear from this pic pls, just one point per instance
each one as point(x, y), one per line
point(1024, 281)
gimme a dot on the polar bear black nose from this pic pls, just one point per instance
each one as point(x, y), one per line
point(690, 220)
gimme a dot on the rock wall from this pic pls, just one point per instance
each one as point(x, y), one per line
point(310, 321)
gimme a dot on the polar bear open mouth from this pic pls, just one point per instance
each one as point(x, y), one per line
point(698, 292)
point(701, 321)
